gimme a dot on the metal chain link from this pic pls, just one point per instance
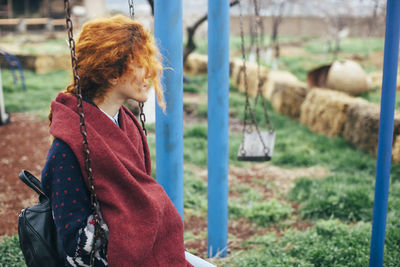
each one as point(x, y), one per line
point(247, 108)
point(99, 232)
point(131, 8)
point(142, 116)
point(259, 33)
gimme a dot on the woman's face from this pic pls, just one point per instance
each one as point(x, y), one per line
point(133, 84)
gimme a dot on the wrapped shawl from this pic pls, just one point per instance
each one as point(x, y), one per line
point(145, 228)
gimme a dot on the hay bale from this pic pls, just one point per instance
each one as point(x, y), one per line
point(362, 126)
point(277, 76)
point(44, 63)
point(396, 149)
point(196, 64)
point(235, 67)
point(325, 111)
point(287, 98)
point(62, 62)
point(252, 78)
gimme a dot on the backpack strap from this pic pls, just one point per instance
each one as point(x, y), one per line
point(31, 181)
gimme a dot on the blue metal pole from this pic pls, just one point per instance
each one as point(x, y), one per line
point(218, 122)
point(169, 125)
point(385, 140)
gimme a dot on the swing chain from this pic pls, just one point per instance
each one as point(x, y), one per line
point(142, 116)
point(247, 108)
point(259, 41)
point(99, 232)
point(131, 9)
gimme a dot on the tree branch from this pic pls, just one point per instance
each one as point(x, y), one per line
point(191, 45)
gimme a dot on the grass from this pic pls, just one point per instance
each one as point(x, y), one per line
point(359, 46)
point(10, 254)
point(41, 89)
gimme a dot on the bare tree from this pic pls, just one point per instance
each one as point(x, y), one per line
point(276, 9)
point(377, 14)
point(191, 30)
point(337, 15)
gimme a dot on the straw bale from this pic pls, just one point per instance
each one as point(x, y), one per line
point(196, 64)
point(287, 98)
point(62, 62)
point(252, 78)
point(277, 76)
point(235, 67)
point(325, 111)
point(362, 126)
point(396, 149)
point(43, 63)
point(48, 63)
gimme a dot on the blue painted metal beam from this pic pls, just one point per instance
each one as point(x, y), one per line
point(218, 126)
point(385, 139)
point(169, 125)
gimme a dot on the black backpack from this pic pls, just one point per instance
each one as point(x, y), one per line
point(37, 231)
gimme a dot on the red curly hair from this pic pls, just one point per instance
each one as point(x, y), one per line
point(105, 48)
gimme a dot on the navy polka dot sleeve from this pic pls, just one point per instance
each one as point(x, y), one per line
point(62, 181)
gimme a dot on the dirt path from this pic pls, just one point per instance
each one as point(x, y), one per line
point(23, 145)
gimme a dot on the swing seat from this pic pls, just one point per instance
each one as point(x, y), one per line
point(252, 148)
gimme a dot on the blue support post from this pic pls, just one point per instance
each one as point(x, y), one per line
point(169, 125)
point(218, 126)
point(385, 140)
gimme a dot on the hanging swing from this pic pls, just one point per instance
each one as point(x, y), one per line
point(256, 145)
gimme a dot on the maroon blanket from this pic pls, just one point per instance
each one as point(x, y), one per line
point(145, 228)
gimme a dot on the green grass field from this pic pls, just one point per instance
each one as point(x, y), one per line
point(337, 208)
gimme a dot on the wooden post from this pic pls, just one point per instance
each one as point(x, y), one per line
point(9, 9)
point(46, 8)
point(26, 8)
point(3, 115)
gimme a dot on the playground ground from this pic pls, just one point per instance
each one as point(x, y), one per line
point(310, 206)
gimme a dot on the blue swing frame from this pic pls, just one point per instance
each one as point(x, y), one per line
point(169, 134)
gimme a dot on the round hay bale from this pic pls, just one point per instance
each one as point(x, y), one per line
point(196, 64)
point(346, 76)
point(277, 76)
point(287, 98)
point(325, 111)
point(362, 126)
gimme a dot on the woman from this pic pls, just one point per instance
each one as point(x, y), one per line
point(117, 60)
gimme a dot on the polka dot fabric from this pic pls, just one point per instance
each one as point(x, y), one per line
point(62, 181)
